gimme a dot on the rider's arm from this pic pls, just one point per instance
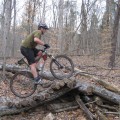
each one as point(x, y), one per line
point(38, 41)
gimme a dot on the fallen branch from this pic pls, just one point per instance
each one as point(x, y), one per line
point(108, 86)
point(101, 82)
point(59, 107)
point(101, 115)
point(115, 113)
point(84, 108)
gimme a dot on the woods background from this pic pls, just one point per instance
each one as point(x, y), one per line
point(78, 28)
point(88, 31)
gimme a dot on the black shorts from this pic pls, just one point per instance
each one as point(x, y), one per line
point(29, 54)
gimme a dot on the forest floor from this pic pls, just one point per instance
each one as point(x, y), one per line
point(95, 66)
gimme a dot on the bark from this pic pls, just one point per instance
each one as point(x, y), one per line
point(101, 116)
point(54, 7)
point(114, 37)
point(46, 96)
point(44, 11)
point(60, 25)
point(6, 30)
point(59, 107)
point(108, 86)
point(45, 74)
point(14, 69)
point(56, 90)
point(84, 108)
point(108, 95)
point(33, 14)
point(102, 92)
point(85, 88)
point(3, 18)
point(101, 103)
point(26, 105)
point(109, 107)
point(14, 28)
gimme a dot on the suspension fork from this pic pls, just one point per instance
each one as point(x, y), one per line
point(56, 62)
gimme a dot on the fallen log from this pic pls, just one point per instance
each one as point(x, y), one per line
point(106, 94)
point(85, 88)
point(15, 68)
point(62, 88)
point(11, 111)
point(102, 92)
point(23, 108)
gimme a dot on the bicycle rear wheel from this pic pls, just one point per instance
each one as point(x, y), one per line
point(62, 67)
point(22, 85)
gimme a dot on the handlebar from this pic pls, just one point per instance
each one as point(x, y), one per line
point(46, 48)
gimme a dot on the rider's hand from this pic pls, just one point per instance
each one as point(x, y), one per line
point(46, 45)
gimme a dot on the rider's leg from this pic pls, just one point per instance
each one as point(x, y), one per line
point(30, 56)
point(38, 56)
point(33, 70)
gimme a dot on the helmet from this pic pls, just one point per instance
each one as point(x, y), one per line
point(42, 25)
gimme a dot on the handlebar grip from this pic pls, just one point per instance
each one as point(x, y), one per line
point(47, 47)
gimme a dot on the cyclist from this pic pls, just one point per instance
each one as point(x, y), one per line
point(29, 50)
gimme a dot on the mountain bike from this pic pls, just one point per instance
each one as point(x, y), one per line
point(22, 84)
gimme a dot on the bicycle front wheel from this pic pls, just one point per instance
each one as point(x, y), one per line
point(22, 85)
point(62, 67)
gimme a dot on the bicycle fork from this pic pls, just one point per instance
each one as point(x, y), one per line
point(57, 63)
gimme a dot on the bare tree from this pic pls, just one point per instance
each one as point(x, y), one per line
point(33, 13)
point(14, 27)
point(108, 17)
point(60, 23)
point(83, 28)
point(7, 23)
point(114, 36)
point(69, 25)
point(54, 9)
point(44, 11)
point(2, 21)
point(29, 16)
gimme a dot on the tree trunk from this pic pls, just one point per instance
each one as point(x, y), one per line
point(44, 11)
point(6, 30)
point(33, 14)
point(3, 20)
point(14, 24)
point(60, 25)
point(114, 37)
